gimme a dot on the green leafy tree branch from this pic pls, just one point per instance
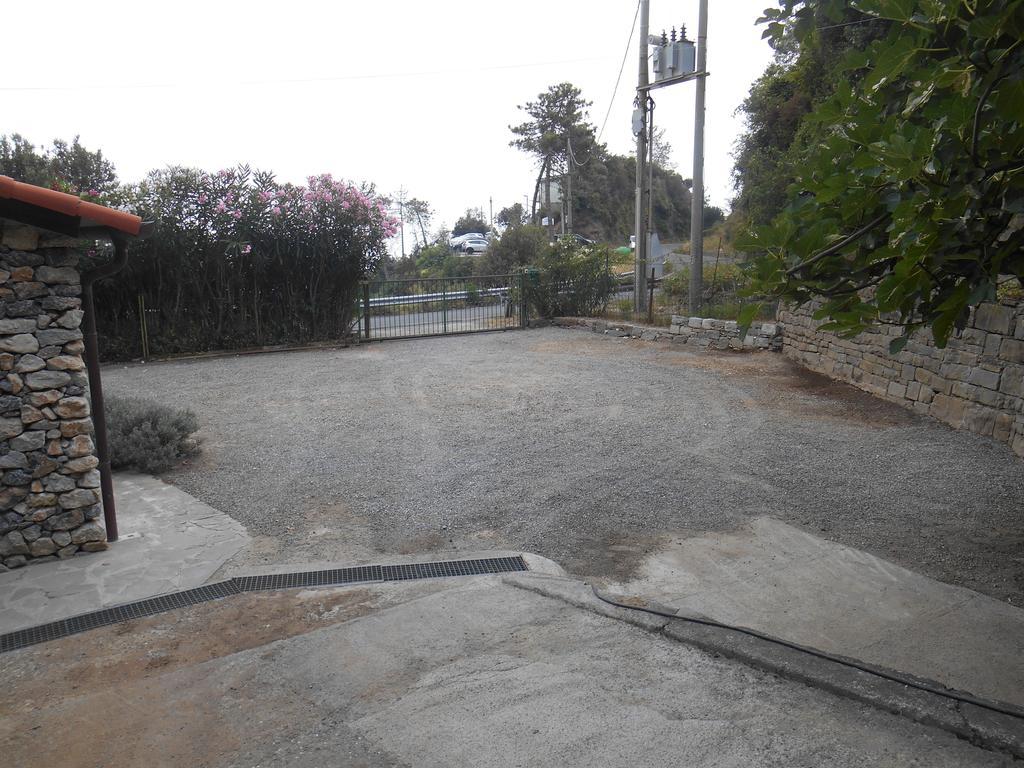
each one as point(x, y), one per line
point(908, 207)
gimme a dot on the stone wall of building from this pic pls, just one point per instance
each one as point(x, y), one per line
point(975, 383)
point(697, 332)
point(49, 498)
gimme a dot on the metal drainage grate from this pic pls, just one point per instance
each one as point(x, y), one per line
point(453, 568)
point(137, 610)
point(334, 577)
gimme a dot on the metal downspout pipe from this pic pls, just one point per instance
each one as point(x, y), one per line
point(92, 364)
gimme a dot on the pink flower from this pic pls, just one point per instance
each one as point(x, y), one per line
point(94, 193)
point(221, 207)
point(203, 198)
point(276, 210)
point(246, 249)
point(237, 214)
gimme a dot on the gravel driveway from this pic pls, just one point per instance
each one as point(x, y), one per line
point(587, 449)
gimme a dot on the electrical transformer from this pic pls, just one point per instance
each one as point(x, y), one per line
point(672, 57)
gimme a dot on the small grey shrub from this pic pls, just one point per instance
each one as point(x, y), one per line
point(148, 436)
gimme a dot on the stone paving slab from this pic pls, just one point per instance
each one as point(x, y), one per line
point(168, 541)
point(788, 583)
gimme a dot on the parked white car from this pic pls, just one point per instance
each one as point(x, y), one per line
point(459, 241)
point(475, 245)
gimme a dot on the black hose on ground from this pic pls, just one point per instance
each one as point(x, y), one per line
point(862, 666)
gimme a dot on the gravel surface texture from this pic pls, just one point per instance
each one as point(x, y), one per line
point(588, 449)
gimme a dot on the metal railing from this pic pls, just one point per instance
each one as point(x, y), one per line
point(399, 309)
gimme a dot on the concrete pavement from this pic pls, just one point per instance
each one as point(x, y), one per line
point(783, 581)
point(465, 670)
point(441, 673)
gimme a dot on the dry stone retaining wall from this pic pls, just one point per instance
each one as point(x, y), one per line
point(698, 332)
point(49, 502)
point(975, 383)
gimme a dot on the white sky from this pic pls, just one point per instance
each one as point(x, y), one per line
point(400, 93)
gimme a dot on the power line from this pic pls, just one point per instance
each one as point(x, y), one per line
point(849, 23)
point(572, 155)
point(289, 81)
point(622, 66)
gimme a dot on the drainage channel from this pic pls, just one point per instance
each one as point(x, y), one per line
point(23, 638)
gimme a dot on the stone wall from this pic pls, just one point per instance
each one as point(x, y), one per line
point(697, 332)
point(975, 383)
point(48, 478)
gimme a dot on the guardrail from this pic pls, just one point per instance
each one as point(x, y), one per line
point(422, 298)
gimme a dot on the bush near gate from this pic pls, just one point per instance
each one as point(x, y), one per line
point(238, 260)
point(517, 247)
point(569, 279)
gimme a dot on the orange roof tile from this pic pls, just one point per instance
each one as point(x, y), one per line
point(90, 214)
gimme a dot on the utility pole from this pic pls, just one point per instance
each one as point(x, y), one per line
point(650, 180)
point(568, 184)
point(547, 201)
point(490, 202)
point(697, 205)
point(639, 229)
point(675, 61)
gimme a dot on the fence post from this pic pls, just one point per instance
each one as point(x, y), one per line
point(650, 304)
point(366, 309)
point(143, 330)
point(444, 307)
point(522, 300)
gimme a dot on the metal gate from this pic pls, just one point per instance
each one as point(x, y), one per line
point(401, 309)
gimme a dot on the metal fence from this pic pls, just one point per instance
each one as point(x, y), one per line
point(398, 309)
point(721, 298)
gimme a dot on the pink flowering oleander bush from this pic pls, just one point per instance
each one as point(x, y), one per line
point(238, 260)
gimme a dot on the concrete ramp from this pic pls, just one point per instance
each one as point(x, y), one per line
point(780, 580)
point(439, 673)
